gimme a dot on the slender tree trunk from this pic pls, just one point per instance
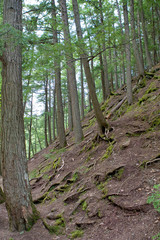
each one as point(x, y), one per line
point(135, 47)
point(49, 115)
point(14, 162)
point(115, 69)
point(140, 38)
point(104, 55)
point(122, 49)
point(82, 91)
point(98, 113)
point(72, 75)
point(102, 76)
point(54, 113)
point(46, 111)
point(70, 116)
point(30, 129)
point(145, 35)
point(154, 35)
point(128, 54)
point(39, 141)
point(60, 113)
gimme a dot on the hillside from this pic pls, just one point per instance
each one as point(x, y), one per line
point(98, 189)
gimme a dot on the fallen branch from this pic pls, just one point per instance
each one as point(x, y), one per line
point(116, 107)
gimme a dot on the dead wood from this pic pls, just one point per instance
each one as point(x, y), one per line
point(116, 107)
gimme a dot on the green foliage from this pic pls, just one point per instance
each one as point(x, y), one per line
point(155, 200)
point(76, 234)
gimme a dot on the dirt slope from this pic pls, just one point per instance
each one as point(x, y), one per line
point(98, 189)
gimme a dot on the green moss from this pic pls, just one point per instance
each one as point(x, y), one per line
point(142, 83)
point(32, 219)
point(143, 99)
point(56, 163)
point(34, 174)
point(74, 177)
point(152, 88)
point(91, 122)
point(99, 214)
point(155, 122)
point(76, 234)
point(119, 173)
point(103, 188)
point(84, 205)
point(64, 188)
point(108, 151)
point(58, 227)
point(104, 106)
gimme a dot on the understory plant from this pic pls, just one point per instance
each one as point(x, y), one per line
point(155, 200)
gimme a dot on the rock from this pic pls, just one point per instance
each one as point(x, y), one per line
point(125, 144)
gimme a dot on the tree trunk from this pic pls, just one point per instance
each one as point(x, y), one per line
point(122, 49)
point(145, 35)
point(155, 58)
point(46, 111)
point(140, 38)
point(104, 55)
point(54, 113)
point(30, 129)
point(128, 54)
point(82, 91)
point(70, 116)
point(60, 113)
point(49, 114)
point(98, 113)
point(14, 162)
point(135, 47)
point(72, 75)
point(102, 76)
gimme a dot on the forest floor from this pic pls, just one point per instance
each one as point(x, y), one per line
point(98, 189)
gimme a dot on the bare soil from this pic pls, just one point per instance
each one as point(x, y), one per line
point(101, 185)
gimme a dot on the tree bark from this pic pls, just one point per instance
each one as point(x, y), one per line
point(145, 35)
point(139, 63)
point(122, 49)
point(46, 111)
point(49, 114)
point(78, 134)
point(128, 54)
point(14, 162)
point(98, 113)
point(104, 55)
point(82, 91)
point(60, 113)
point(30, 129)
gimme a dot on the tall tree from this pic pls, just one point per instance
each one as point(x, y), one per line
point(145, 34)
point(60, 113)
point(105, 63)
point(71, 74)
point(98, 113)
point(30, 129)
point(128, 53)
point(14, 163)
point(139, 63)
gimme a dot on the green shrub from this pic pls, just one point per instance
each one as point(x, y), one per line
point(155, 200)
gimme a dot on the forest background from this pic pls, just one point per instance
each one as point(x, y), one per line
point(120, 41)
